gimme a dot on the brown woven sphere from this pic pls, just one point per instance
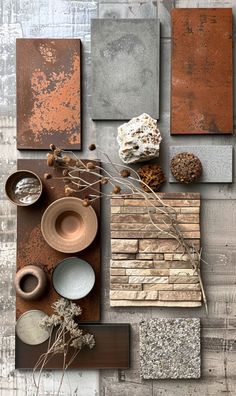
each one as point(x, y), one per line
point(186, 167)
point(152, 175)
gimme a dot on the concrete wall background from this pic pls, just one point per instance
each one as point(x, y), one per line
point(71, 18)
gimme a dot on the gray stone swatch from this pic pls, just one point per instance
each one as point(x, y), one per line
point(170, 348)
point(217, 162)
point(125, 68)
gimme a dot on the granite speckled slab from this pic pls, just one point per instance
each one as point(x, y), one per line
point(170, 348)
point(125, 64)
point(217, 162)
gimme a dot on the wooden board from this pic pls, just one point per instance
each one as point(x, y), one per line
point(148, 268)
point(111, 350)
point(202, 71)
point(33, 249)
point(48, 93)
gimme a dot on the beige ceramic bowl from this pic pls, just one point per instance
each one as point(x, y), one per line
point(68, 226)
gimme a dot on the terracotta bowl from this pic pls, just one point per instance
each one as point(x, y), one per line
point(68, 226)
point(30, 282)
point(23, 188)
point(73, 278)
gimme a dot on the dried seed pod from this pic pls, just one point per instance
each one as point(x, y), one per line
point(68, 190)
point(47, 176)
point(65, 172)
point(86, 202)
point(104, 180)
point(90, 165)
point(186, 167)
point(92, 147)
point(116, 190)
point(125, 173)
point(66, 159)
point(52, 147)
point(152, 175)
point(57, 152)
point(50, 159)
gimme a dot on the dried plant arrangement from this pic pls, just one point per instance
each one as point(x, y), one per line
point(121, 180)
point(65, 338)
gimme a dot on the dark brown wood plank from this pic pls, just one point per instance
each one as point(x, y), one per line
point(48, 93)
point(202, 71)
point(111, 350)
point(32, 248)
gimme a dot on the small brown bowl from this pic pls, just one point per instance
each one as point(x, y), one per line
point(30, 282)
point(68, 226)
point(23, 188)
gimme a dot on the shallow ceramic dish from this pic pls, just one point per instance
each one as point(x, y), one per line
point(68, 226)
point(28, 329)
point(73, 278)
point(23, 188)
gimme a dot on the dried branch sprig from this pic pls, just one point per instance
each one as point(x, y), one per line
point(65, 335)
point(125, 180)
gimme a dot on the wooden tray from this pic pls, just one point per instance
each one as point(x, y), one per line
point(111, 350)
point(32, 248)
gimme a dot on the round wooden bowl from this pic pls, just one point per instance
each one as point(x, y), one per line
point(30, 282)
point(23, 188)
point(68, 226)
point(73, 278)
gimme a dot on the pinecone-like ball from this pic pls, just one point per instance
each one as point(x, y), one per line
point(152, 175)
point(186, 167)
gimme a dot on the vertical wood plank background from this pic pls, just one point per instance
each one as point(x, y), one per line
point(71, 18)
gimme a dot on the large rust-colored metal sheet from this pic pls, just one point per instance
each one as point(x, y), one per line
point(32, 248)
point(202, 71)
point(48, 93)
point(111, 350)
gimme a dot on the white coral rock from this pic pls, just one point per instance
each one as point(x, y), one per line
point(139, 139)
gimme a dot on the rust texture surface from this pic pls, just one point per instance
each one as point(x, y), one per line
point(32, 248)
point(48, 93)
point(111, 350)
point(202, 71)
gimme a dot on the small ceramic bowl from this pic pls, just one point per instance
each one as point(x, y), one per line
point(30, 282)
point(73, 278)
point(68, 226)
point(23, 188)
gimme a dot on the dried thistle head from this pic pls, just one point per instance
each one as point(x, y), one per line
point(92, 147)
point(52, 147)
point(47, 176)
point(65, 172)
point(125, 173)
point(116, 190)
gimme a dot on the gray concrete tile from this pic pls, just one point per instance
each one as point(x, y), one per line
point(125, 63)
point(170, 348)
point(217, 162)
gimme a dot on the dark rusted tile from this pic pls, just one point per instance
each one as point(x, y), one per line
point(202, 71)
point(32, 248)
point(112, 350)
point(48, 93)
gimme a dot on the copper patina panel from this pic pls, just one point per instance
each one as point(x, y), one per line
point(48, 93)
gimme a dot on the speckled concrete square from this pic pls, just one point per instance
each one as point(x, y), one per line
point(170, 348)
point(125, 67)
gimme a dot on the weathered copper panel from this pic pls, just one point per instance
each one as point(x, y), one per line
point(48, 93)
point(111, 350)
point(32, 248)
point(202, 71)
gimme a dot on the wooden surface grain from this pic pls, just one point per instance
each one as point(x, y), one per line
point(71, 18)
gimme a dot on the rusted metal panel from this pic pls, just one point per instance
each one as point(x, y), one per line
point(112, 350)
point(33, 249)
point(202, 71)
point(48, 93)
